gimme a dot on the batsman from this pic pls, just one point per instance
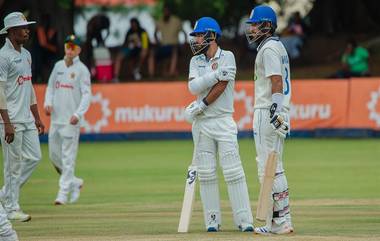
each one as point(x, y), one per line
point(271, 112)
point(212, 79)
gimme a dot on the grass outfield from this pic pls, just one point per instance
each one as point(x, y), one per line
point(134, 191)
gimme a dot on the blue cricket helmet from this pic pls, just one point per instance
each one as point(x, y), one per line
point(206, 24)
point(263, 13)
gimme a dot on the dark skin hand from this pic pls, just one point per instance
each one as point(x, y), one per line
point(9, 130)
point(40, 126)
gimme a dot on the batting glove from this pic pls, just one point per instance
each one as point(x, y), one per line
point(193, 110)
point(278, 122)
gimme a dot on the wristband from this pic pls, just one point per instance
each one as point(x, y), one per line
point(205, 101)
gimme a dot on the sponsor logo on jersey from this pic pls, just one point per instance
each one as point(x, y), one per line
point(59, 85)
point(21, 79)
point(60, 73)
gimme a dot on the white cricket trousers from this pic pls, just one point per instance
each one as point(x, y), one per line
point(63, 149)
point(213, 138)
point(265, 139)
point(6, 230)
point(20, 159)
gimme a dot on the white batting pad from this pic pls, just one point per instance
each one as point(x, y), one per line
point(237, 187)
point(281, 209)
point(209, 188)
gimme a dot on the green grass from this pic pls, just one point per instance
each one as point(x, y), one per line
point(134, 190)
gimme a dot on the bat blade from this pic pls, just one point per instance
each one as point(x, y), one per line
point(264, 202)
point(188, 200)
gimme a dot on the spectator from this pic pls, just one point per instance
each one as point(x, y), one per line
point(45, 51)
point(136, 46)
point(168, 28)
point(354, 61)
point(293, 36)
point(97, 32)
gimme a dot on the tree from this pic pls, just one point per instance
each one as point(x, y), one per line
point(349, 16)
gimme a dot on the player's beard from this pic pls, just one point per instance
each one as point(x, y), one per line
point(199, 48)
point(262, 38)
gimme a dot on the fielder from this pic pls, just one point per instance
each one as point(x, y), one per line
point(211, 79)
point(271, 114)
point(67, 99)
point(20, 123)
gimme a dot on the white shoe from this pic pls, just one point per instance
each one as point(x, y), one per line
point(10, 236)
point(213, 228)
point(76, 188)
point(61, 199)
point(283, 229)
point(19, 216)
point(262, 230)
point(246, 227)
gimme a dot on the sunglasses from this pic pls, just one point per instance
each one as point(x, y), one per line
point(71, 46)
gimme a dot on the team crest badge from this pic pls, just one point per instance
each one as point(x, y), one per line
point(72, 75)
point(214, 66)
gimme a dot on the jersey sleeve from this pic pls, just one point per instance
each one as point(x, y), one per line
point(85, 89)
point(231, 64)
point(193, 71)
point(50, 87)
point(272, 63)
point(3, 69)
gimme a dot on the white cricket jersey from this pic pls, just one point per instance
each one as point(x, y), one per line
point(68, 91)
point(272, 59)
point(16, 72)
point(200, 65)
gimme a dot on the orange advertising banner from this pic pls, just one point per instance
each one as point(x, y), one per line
point(364, 106)
point(319, 104)
point(159, 107)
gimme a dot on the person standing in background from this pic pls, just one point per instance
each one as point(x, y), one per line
point(67, 99)
point(166, 36)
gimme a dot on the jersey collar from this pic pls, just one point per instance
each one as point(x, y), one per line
point(216, 56)
point(76, 60)
point(267, 40)
point(9, 44)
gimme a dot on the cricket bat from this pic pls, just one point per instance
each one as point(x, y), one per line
point(264, 204)
point(188, 200)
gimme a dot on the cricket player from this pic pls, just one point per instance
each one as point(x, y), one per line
point(271, 114)
point(212, 79)
point(67, 99)
point(20, 120)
